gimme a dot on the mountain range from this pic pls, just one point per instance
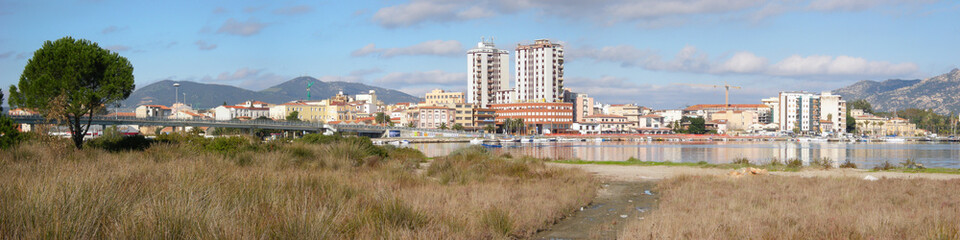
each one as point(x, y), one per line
point(939, 93)
point(203, 95)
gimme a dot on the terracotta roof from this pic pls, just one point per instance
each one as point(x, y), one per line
point(721, 106)
point(158, 106)
point(651, 116)
point(122, 114)
point(899, 119)
point(604, 115)
point(192, 113)
point(258, 102)
point(433, 107)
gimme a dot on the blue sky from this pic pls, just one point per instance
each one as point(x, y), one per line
point(619, 51)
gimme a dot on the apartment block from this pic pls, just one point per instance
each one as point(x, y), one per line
point(539, 72)
point(488, 71)
point(439, 97)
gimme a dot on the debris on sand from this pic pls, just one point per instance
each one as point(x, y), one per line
point(748, 171)
point(870, 178)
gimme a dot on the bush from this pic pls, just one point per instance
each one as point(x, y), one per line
point(822, 162)
point(226, 145)
point(884, 166)
point(498, 221)
point(9, 135)
point(120, 143)
point(741, 161)
point(794, 163)
point(848, 164)
point(775, 162)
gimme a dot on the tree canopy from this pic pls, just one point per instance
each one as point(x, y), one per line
point(70, 79)
point(293, 116)
point(861, 104)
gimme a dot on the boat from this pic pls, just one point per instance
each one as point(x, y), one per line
point(507, 140)
point(476, 141)
point(895, 140)
point(526, 140)
point(540, 140)
point(598, 139)
point(491, 145)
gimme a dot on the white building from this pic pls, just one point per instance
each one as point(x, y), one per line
point(488, 71)
point(806, 111)
point(152, 111)
point(223, 113)
point(370, 97)
point(539, 72)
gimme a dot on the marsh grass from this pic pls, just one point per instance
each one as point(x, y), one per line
point(771, 207)
point(339, 189)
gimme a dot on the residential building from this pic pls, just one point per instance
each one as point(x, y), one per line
point(670, 116)
point(463, 115)
point(582, 106)
point(798, 111)
point(315, 112)
point(608, 123)
point(537, 117)
point(370, 97)
point(539, 72)
point(650, 121)
point(737, 120)
point(434, 117)
point(868, 124)
point(223, 113)
point(833, 109)
point(152, 111)
point(483, 117)
point(186, 115)
point(488, 71)
point(706, 110)
point(630, 111)
point(773, 103)
point(439, 97)
point(505, 96)
point(804, 112)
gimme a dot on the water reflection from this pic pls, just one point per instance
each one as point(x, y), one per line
point(865, 155)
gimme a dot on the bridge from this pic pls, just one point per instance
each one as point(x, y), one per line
point(360, 129)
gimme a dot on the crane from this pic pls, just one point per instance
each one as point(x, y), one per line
point(308, 90)
point(725, 86)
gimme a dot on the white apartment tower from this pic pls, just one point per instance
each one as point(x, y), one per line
point(488, 71)
point(807, 112)
point(539, 72)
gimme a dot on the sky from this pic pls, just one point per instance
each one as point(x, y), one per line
point(660, 54)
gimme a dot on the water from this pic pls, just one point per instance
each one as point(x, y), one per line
point(865, 155)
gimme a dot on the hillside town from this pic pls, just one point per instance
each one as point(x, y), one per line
point(536, 102)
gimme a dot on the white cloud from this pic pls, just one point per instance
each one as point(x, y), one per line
point(691, 60)
point(859, 5)
point(202, 45)
point(433, 47)
point(232, 26)
point(239, 74)
point(645, 13)
point(841, 65)
point(742, 62)
point(6, 54)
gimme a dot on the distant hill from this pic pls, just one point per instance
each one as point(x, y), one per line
point(202, 95)
point(867, 88)
point(938, 93)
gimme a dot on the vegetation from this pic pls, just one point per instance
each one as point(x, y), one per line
point(9, 134)
point(382, 118)
point(813, 208)
point(457, 127)
point(861, 104)
point(293, 116)
point(774, 164)
point(322, 187)
point(695, 125)
point(70, 80)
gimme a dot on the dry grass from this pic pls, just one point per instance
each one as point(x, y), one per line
point(770, 207)
point(304, 191)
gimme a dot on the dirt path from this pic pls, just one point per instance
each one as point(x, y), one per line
point(627, 193)
point(617, 203)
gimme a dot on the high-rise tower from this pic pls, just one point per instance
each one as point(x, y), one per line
point(539, 72)
point(488, 71)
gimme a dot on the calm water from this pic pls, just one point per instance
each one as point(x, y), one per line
point(865, 155)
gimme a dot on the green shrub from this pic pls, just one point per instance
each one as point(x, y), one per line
point(884, 166)
point(848, 164)
point(794, 163)
point(226, 145)
point(9, 135)
point(821, 162)
point(775, 162)
point(741, 161)
point(120, 143)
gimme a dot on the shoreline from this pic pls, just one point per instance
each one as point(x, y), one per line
point(655, 173)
